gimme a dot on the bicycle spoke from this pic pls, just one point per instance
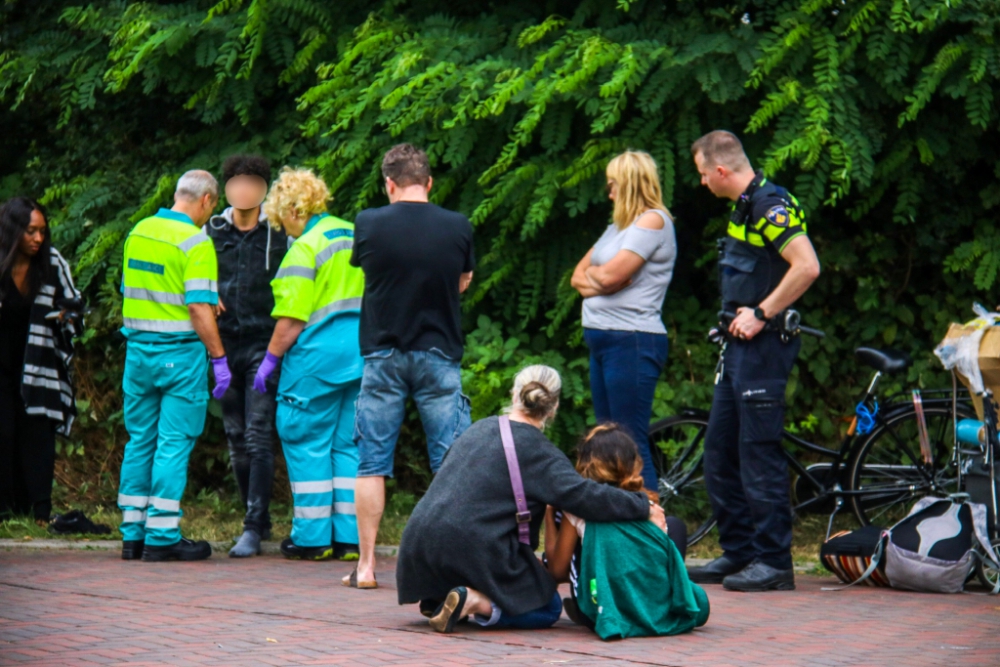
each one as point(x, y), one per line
point(678, 447)
point(892, 476)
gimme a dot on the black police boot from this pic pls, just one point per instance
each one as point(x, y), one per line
point(132, 549)
point(292, 551)
point(759, 576)
point(184, 550)
point(344, 551)
point(715, 571)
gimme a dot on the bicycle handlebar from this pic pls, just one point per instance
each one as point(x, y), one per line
point(790, 325)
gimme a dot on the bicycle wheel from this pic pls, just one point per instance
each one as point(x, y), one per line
point(890, 470)
point(987, 573)
point(677, 445)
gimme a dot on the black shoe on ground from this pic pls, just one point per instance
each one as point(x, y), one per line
point(573, 612)
point(759, 576)
point(76, 522)
point(132, 549)
point(715, 571)
point(184, 550)
point(292, 551)
point(344, 551)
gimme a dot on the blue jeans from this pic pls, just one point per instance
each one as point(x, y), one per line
point(435, 383)
point(624, 369)
point(536, 619)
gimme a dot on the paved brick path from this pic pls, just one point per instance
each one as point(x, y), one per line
point(64, 608)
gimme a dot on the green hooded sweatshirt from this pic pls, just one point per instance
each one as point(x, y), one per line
point(633, 583)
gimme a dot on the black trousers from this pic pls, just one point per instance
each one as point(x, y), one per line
point(746, 474)
point(248, 419)
point(27, 454)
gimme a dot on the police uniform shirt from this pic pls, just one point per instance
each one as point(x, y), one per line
point(775, 216)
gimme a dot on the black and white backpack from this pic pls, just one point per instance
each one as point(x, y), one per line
point(934, 548)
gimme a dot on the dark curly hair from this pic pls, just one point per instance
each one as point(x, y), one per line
point(246, 165)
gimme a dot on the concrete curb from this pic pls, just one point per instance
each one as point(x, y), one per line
point(270, 548)
point(115, 545)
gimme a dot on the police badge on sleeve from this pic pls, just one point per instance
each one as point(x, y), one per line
point(777, 216)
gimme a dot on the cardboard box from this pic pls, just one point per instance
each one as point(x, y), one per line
point(989, 360)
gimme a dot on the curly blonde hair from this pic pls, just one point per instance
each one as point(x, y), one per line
point(298, 189)
point(638, 186)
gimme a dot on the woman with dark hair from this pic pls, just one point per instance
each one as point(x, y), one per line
point(36, 351)
point(609, 456)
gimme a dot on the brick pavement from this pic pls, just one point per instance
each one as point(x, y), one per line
point(89, 608)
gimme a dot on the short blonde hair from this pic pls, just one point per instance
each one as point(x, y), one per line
point(639, 189)
point(298, 189)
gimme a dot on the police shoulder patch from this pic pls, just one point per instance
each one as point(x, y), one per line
point(777, 216)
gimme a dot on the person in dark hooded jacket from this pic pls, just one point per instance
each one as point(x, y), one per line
point(249, 252)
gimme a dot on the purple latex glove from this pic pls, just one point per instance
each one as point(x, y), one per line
point(264, 371)
point(222, 377)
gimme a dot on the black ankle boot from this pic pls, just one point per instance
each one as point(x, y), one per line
point(292, 551)
point(184, 550)
point(759, 576)
point(132, 549)
point(715, 571)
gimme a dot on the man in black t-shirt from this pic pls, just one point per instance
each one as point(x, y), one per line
point(417, 258)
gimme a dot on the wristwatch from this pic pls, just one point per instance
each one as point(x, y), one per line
point(758, 312)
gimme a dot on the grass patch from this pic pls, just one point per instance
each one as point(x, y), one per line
point(208, 517)
point(808, 533)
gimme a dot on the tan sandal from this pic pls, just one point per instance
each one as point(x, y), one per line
point(353, 582)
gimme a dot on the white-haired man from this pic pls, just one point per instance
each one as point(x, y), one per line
point(170, 294)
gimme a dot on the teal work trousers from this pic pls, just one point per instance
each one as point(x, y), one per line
point(166, 396)
point(315, 423)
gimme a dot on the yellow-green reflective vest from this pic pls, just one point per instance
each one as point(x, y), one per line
point(316, 279)
point(169, 263)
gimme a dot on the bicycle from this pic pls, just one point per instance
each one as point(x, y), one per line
point(893, 454)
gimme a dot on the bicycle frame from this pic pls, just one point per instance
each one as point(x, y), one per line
point(833, 488)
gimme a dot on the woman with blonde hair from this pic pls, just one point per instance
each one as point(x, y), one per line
point(623, 280)
point(317, 302)
point(468, 549)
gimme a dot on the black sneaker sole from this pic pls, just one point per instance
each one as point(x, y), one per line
point(319, 554)
point(166, 556)
point(779, 586)
point(132, 553)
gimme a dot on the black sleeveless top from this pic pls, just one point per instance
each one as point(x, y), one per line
point(15, 315)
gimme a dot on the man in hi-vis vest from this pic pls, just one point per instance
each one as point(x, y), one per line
point(169, 287)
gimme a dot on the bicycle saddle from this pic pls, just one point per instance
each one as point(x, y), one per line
point(886, 361)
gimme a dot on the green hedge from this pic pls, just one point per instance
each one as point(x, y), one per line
point(879, 115)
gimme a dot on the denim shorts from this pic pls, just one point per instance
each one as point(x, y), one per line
point(434, 380)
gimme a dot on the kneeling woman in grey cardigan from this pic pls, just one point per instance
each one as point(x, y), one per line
point(460, 555)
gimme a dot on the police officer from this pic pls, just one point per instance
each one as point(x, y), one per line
point(317, 302)
point(766, 263)
point(169, 288)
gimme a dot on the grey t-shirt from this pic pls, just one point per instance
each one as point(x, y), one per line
point(638, 306)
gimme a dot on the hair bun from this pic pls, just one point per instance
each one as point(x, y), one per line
point(534, 395)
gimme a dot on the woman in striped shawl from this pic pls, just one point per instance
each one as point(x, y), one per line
point(36, 352)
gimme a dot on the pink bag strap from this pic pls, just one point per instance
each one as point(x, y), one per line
point(523, 516)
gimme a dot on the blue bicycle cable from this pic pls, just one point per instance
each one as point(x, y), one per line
point(866, 418)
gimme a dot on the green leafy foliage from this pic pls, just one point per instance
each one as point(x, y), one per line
point(880, 116)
